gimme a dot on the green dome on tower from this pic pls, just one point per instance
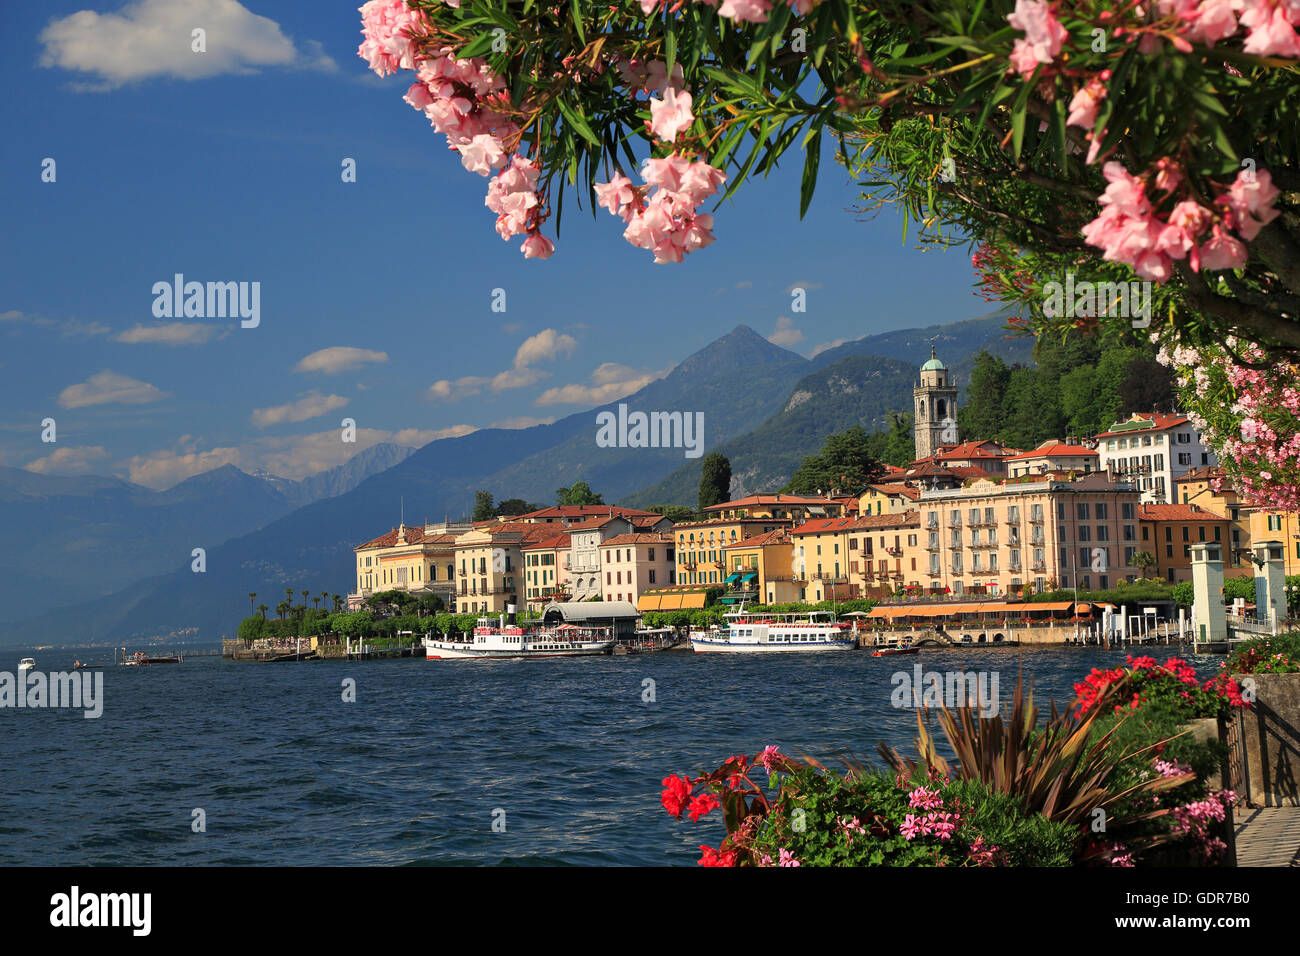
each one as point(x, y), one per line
point(934, 365)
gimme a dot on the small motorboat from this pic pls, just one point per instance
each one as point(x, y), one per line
point(78, 666)
point(891, 651)
point(27, 664)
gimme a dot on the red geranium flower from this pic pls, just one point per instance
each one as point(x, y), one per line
point(677, 791)
point(703, 805)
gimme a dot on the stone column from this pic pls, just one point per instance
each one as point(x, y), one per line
point(1210, 622)
point(1270, 582)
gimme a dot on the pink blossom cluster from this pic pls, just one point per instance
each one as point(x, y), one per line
point(1270, 24)
point(1257, 435)
point(923, 798)
point(391, 29)
point(1130, 231)
point(1043, 38)
point(460, 98)
point(984, 854)
point(1196, 821)
point(1170, 768)
point(942, 825)
point(665, 221)
point(849, 827)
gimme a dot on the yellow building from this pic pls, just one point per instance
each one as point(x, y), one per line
point(886, 553)
point(700, 544)
point(418, 560)
point(785, 507)
point(887, 499)
point(1197, 488)
point(489, 566)
point(758, 570)
point(821, 556)
point(1281, 526)
point(546, 570)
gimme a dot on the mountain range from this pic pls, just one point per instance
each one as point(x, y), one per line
point(764, 405)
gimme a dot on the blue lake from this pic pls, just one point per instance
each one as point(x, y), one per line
point(417, 769)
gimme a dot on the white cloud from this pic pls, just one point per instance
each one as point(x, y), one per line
point(338, 358)
point(294, 456)
point(154, 38)
point(11, 315)
point(803, 284)
point(167, 333)
point(311, 405)
point(610, 381)
point(67, 461)
point(163, 469)
point(835, 343)
point(785, 332)
point(108, 388)
point(546, 345)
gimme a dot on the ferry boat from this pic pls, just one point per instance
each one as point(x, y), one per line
point(505, 640)
point(760, 632)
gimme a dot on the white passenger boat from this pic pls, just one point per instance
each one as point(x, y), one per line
point(501, 640)
point(761, 632)
point(27, 664)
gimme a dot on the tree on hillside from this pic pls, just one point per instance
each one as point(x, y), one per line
point(844, 464)
point(674, 513)
point(579, 493)
point(981, 417)
point(715, 480)
point(1149, 386)
point(485, 508)
point(895, 445)
point(1095, 141)
point(516, 506)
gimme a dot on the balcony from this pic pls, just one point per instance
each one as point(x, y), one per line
point(1039, 565)
point(894, 552)
point(1035, 519)
point(831, 578)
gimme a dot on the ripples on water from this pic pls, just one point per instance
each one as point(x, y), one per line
point(411, 773)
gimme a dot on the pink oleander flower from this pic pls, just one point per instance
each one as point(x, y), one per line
point(1272, 27)
point(1043, 35)
point(537, 246)
point(615, 194)
point(745, 11)
point(1203, 21)
point(1222, 251)
point(389, 28)
point(1251, 198)
point(482, 154)
point(1085, 103)
point(671, 115)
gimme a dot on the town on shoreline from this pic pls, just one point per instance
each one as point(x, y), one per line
point(974, 542)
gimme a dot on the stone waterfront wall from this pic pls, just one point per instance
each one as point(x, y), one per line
point(1268, 741)
point(979, 635)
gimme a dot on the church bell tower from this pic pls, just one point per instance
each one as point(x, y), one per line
point(935, 408)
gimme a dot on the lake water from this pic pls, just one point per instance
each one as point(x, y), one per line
point(565, 752)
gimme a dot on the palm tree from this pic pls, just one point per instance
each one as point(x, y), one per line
point(282, 609)
point(251, 596)
point(338, 602)
point(1144, 561)
point(304, 594)
point(315, 602)
point(288, 592)
point(263, 609)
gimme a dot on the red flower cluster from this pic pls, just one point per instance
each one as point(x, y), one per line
point(677, 791)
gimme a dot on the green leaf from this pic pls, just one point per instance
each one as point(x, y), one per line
point(577, 121)
point(576, 7)
point(812, 157)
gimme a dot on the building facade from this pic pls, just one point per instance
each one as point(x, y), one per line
point(636, 562)
point(1153, 451)
point(995, 538)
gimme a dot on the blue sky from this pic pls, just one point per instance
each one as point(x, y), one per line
point(235, 176)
